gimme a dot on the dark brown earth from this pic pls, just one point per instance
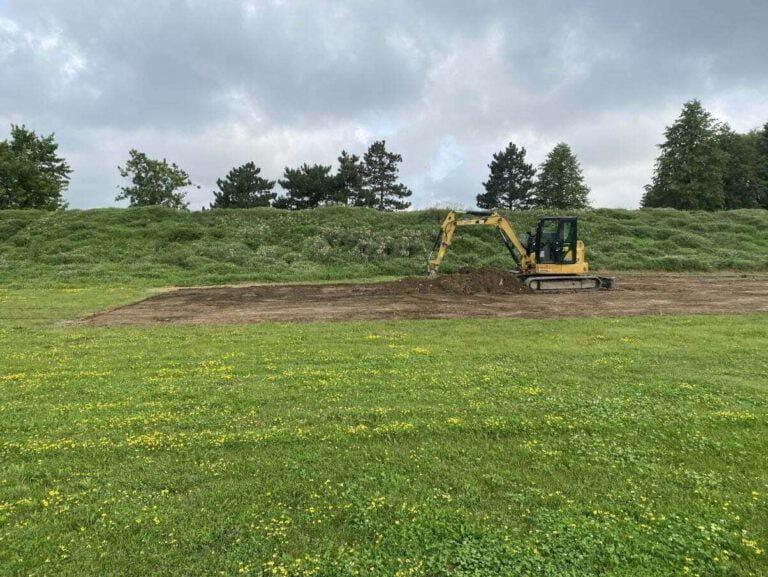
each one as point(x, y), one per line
point(488, 294)
point(480, 281)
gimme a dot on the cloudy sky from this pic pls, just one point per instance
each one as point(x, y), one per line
point(211, 85)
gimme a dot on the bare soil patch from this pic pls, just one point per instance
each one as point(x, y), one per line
point(486, 294)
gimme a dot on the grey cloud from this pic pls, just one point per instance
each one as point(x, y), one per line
point(213, 84)
point(172, 63)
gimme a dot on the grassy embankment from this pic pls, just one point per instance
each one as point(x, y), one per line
point(579, 447)
point(158, 247)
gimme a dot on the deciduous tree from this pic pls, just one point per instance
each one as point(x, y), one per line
point(32, 175)
point(153, 182)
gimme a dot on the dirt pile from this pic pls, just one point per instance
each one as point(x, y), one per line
point(473, 282)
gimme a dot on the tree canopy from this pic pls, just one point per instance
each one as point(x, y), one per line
point(510, 183)
point(381, 173)
point(744, 185)
point(690, 169)
point(243, 187)
point(153, 182)
point(762, 149)
point(351, 181)
point(561, 182)
point(32, 175)
point(307, 187)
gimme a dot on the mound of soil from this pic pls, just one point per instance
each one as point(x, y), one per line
point(472, 282)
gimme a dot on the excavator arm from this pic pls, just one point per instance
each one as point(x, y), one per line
point(448, 229)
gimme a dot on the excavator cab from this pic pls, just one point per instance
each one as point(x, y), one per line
point(555, 241)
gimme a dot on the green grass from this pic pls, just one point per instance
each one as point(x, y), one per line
point(577, 447)
point(158, 247)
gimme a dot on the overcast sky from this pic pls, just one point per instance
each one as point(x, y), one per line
point(213, 84)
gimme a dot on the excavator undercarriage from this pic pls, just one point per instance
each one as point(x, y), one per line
point(562, 283)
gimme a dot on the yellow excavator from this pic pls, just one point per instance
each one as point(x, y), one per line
point(552, 259)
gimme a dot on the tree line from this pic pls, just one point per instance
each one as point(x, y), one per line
point(372, 181)
point(33, 176)
point(703, 165)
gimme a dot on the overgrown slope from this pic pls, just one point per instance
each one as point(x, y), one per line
point(156, 246)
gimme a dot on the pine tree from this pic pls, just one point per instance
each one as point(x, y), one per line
point(510, 183)
point(31, 173)
point(381, 187)
point(243, 187)
point(351, 176)
point(561, 183)
point(689, 172)
point(307, 187)
point(153, 182)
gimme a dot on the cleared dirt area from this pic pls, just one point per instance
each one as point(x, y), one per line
point(453, 296)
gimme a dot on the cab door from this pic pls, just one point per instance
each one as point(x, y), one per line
point(567, 240)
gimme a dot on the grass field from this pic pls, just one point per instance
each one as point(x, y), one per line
point(572, 447)
point(154, 246)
